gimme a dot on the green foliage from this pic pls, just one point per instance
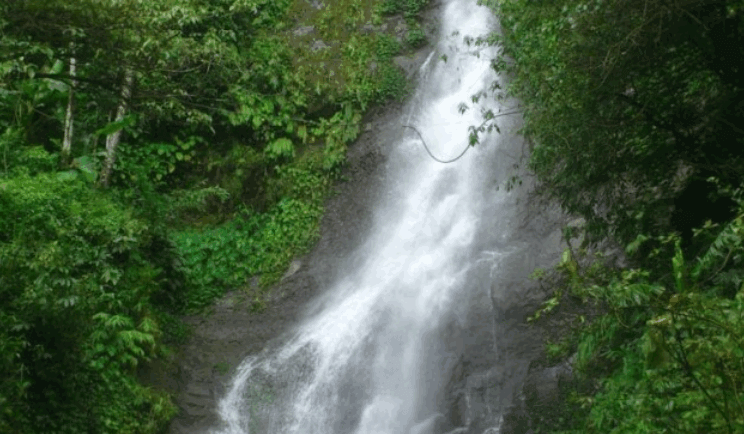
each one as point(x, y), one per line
point(195, 200)
point(626, 105)
point(666, 354)
point(76, 284)
point(280, 149)
point(619, 118)
point(393, 84)
point(547, 307)
point(226, 256)
point(258, 244)
point(558, 351)
point(174, 331)
point(386, 47)
point(683, 368)
point(33, 160)
point(339, 130)
point(306, 184)
point(409, 8)
point(222, 368)
point(416, 37)
point(115, 126)
point(154, 162)
point(232, 135)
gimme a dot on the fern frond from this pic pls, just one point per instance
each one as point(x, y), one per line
point(727, 243)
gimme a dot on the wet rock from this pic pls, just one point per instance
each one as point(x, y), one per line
point(517, 419)
point(411, 64)
point(401, 30)
point(319, 45)
point(485, 388)
point(316, 4)
point(304, 31)
point(541, 400)
point(198, 390)
point(436, 424)
point(544, 386)
point(458, 409)
point(254, 282)
point(198, 400)
point(231, 300)
point(369, 28)
point(293, 268)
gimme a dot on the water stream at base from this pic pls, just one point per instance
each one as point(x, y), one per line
point(370, 359)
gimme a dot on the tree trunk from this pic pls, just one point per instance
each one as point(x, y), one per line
point(112, 140)
point(69, 117)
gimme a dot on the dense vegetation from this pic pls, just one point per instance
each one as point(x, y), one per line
point(152, 155)
point(634, 112)
point(155, 153)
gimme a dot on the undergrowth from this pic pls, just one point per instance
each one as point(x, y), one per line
point(409, 8)
point(226, 256)
point(152, 158)
point(665, 353)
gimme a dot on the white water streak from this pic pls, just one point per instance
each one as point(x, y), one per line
point(362, 363)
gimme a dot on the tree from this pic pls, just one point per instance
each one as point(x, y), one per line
point(69, 113)
point(625, 103)
point(76, 278)
point(633, 111)
point(113, 138)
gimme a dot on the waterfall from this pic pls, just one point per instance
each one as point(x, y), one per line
point(370, 358)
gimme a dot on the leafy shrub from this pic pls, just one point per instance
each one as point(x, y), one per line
point(75, 285)
point(393, 84)
point(35, 159)
point(386, 47)
point(667, 353)
point(280, 149)
point(226, 256)
point(409, 8)
point(156, 161)
point(416, 37)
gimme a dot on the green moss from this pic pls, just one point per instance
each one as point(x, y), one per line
point(222, 368)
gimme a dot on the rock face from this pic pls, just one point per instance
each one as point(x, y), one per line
point(496, 347)
point(303, 31)
point(411, 64)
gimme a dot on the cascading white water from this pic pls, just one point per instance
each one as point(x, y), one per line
point(367, 361)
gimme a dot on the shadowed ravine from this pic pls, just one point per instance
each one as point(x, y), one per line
point(379, 351)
